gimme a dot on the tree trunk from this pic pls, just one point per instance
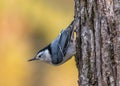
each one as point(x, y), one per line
point(98, 42)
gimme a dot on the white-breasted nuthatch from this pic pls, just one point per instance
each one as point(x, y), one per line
point(59, 50)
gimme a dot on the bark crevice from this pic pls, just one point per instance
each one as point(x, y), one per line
point(98, 42)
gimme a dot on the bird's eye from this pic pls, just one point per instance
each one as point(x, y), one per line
point(39, 56)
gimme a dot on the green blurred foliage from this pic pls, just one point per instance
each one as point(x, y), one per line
point(26, 26)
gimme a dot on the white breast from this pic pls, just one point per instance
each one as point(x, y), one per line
point(47, 56)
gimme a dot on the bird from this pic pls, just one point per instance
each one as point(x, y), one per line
point(60, 49)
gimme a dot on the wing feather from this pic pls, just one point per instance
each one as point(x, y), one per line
point(61, 43)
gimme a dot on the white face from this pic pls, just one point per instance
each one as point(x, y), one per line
point(44, 56)
point(40, 56)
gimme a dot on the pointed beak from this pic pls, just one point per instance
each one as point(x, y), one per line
point(32, 59)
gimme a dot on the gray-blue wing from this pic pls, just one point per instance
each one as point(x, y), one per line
point(60, 45)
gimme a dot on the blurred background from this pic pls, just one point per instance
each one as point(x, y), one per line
point(26, 26)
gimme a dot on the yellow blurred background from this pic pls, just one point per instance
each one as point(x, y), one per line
point(26, 26)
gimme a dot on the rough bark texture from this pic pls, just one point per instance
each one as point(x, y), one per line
point(98, 42)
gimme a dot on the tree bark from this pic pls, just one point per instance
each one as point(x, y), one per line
point(98, 42)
